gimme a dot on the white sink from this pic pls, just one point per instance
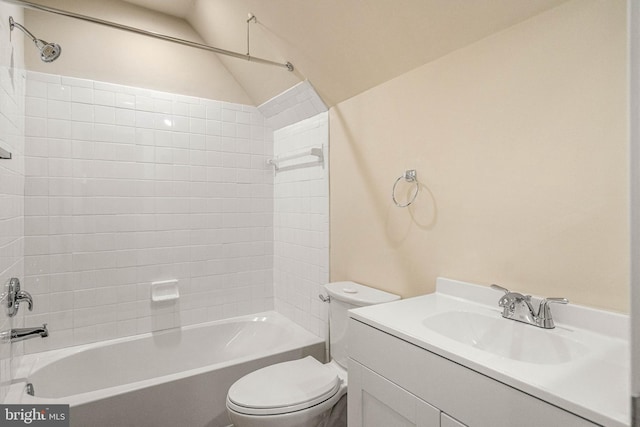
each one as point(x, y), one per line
point(505, 338)
point(581, 366)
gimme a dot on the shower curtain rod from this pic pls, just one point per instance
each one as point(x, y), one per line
point(61, 12)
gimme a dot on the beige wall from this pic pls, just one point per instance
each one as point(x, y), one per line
point(101, 53)
point(520, 145)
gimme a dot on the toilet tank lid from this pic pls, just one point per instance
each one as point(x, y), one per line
point(357, 294)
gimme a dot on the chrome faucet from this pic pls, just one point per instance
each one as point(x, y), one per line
point(21, 334)
point(516, 306)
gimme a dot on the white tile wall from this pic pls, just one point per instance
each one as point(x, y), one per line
point(301, 226)
point(126, 186)
point(12, 83)
point(292, 106)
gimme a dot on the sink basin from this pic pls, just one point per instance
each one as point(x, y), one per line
point(505, 338)
point(581, 366)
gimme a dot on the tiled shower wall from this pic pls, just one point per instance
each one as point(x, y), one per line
point(292, 106)
point(12, 83)
point(126, 186)
point(301, 221)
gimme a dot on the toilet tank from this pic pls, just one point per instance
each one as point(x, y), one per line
point(345, 296)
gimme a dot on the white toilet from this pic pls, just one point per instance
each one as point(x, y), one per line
point(304, 392)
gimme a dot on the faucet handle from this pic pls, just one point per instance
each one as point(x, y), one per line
point(499, 288)
point(556, 300)
point(507, 299)
point(24, 296)
point(544, 304)
point(544, 312)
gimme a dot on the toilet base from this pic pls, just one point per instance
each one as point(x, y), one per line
point(338, 415)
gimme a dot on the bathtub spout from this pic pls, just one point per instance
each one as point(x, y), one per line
point(21, 334)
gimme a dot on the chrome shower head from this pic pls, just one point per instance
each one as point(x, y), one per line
point(49, 52)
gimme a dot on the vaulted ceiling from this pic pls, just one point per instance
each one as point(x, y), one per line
point(344, 47)
point(178, 8)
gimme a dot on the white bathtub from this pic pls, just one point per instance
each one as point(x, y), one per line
point(177, 377)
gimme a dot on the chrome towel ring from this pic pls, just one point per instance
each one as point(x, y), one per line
point(409, 176)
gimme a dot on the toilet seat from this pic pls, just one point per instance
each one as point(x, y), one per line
point(283, 388)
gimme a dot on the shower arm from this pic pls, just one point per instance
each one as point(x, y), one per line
point(68, 14)
point(13, 24)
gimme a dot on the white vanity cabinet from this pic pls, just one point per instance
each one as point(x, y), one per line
point(395, 383)
point(376, 401)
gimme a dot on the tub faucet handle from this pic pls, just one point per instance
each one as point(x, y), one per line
point(24, 296)
point(15, 296)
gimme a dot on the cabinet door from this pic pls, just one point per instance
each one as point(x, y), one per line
point(447, 421)
point(375, 401)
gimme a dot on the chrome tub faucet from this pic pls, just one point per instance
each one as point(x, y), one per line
point(21, 334)
point(14, 296)
point(516, 306)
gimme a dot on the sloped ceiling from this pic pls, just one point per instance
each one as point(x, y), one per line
point(344, 47)
point(177, 8)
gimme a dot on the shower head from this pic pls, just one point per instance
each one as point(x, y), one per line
point(49, 52)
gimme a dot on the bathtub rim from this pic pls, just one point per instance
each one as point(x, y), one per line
point(32, 362)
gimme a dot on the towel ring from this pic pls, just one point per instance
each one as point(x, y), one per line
point(409, 176)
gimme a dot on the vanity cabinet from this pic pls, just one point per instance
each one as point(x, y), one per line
point(376, 401)
point(396, 383)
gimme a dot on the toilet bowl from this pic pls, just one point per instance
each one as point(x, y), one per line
point(289, 394)
point(304, 392)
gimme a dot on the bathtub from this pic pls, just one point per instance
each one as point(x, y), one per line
point(177, 377)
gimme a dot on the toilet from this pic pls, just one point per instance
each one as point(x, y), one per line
point(304, 392)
